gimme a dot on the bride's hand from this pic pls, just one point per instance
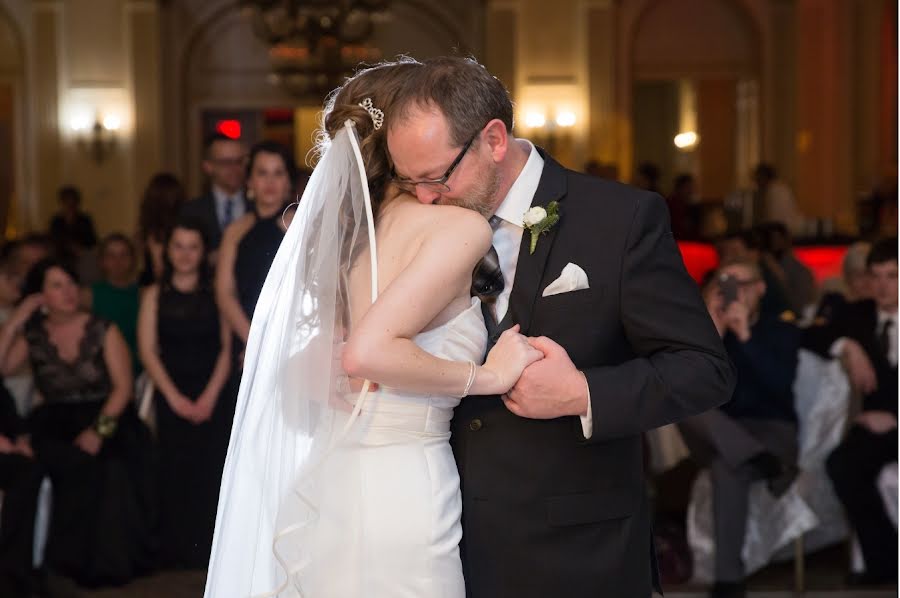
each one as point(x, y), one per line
point(509, 358)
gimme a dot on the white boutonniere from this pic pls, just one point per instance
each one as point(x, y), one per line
point(537, 221)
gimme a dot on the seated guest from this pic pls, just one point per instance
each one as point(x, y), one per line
point(853, 285)
point(864, 335)
point(86, 433)
point(72, 231)
point(19, 385)
point(71, 227)
point(746, 245)
point(115, 296)
point(186, 348)
point(754, 436)
point(20, 482)
point(799, 282)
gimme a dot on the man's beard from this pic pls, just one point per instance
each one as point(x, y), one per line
point(483, 195)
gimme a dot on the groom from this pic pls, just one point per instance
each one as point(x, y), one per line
point(552, 476)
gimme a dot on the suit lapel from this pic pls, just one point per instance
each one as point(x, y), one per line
point(530, 267)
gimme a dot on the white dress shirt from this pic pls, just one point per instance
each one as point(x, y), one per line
point(508, 238)
point(237, 205)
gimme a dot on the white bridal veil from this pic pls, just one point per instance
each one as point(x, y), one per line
point(292, 386)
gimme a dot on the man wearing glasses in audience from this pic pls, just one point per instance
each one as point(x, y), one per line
point(224, 163)
point(753, 436)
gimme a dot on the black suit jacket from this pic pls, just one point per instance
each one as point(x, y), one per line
point(203, 210)
point(546, 513)
point(859, 321)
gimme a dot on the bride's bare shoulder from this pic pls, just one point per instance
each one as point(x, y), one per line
point(423, 219)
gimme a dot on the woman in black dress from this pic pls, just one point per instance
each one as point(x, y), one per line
point(186, 349)
point(86, 433)
point(249, 244)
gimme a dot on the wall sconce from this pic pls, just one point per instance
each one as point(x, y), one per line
point(98, 139)
point(686, 141)
point(562, 119)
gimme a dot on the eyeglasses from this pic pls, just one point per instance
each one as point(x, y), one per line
point(237, 162)
point(438, 185)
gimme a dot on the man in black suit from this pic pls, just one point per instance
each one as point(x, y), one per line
point(863, 334)
point(552, 475)
point(20, 482)
point(224, 162)
point(754, 435)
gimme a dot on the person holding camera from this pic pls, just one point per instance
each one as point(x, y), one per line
point(753, 436)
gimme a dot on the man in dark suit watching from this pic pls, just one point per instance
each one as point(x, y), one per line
point(863, 334)
point(553, 490)
point(224, 163)
point(753, 436)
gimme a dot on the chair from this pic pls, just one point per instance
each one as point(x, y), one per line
point(808, 516)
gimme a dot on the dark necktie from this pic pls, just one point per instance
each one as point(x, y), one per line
point(884, 338)
point(228, 212)
point(487, 279)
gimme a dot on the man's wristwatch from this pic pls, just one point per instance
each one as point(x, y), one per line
point(105, 425)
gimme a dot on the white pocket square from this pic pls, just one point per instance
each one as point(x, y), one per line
point(572, 278)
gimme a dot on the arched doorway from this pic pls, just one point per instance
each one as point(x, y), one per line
point(696, 68)
point(224, 70)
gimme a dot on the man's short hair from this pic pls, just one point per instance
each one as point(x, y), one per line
point(465, 92)
point(214, 138)
point(884, 250)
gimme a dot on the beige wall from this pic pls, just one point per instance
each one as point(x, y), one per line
point(83, 58)
point(814, 66)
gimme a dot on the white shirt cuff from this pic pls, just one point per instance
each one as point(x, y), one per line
point(837, 347)
point(587, 421)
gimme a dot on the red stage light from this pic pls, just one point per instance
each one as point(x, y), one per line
point(230, 128)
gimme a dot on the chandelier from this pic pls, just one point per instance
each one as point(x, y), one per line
point(314, 44)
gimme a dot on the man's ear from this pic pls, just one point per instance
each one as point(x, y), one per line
point(497, 139)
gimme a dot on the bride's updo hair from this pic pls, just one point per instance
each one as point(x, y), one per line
point(380, 84)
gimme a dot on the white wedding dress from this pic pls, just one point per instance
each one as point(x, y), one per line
point(327, 494)
point(400, 537)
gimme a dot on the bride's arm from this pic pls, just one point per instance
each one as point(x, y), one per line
point(380, 348)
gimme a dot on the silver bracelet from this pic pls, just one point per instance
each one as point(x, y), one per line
point(470, 380)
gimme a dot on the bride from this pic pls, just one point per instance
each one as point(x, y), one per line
point(334, 493)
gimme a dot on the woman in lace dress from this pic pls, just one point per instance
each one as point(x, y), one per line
point(86, 433)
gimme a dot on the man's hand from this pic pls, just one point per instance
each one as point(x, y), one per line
point(877, 422)
point(859, 367)
point(550, 387)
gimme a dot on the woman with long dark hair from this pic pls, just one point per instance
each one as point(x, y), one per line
point(185, 348)
point(160, 205)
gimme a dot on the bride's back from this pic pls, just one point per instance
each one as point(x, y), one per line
point(401, 226)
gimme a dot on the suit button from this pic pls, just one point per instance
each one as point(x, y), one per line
point(475, 425)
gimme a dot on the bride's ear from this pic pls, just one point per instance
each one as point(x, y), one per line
point(496, 138)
